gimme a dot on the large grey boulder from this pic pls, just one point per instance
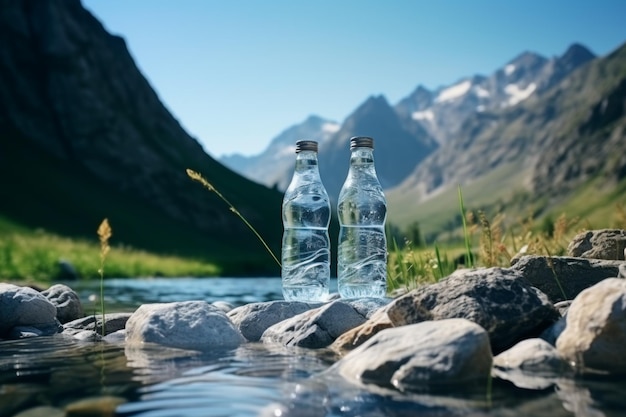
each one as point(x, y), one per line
point(599, 244)
point(66, 301)
point(498, 299)
point(254, 318)
point(562, 277)
point(26, 312)
point(595, 331)
point(424, 356)
point(194, 325)
point(320, 327)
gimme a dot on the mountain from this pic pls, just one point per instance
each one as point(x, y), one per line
point(274, 166)
point(567, 137)
point(84, 136)
point(444, 111)
point(418, 124)
point(397, 150)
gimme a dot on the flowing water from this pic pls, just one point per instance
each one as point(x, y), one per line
point(57, 376)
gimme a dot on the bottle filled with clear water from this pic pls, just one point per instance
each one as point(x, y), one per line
point(362, 211)
point(306, 246)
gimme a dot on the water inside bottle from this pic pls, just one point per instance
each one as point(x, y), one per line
point(362, 262)
point(306, 264)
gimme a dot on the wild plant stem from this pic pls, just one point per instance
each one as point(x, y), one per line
point(468, 252)
point(198, 177)
point(104, 233)
point(439, 265)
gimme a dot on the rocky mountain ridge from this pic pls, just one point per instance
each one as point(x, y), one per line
point(431, 118)
point(547, 147)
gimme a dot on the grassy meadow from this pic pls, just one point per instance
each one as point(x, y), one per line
point(35, 255)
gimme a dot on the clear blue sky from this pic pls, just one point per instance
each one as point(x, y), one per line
point(236, 73)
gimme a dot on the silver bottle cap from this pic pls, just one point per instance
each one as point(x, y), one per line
point(306, 145)
point(361, 142)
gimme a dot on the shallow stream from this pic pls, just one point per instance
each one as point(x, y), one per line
point(56, 376)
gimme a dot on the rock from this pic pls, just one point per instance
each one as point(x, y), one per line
point(553, 332)
point(23, 332)
point(66, 301)
point(116, 337)
point(430, 355)
point(563, 307)
point(253, 319)
point(498, 299)
point(315, 328)
point(103, 406)
point(223, 305)
point(85, 335)
point(26, 307)
point(67, 272)
point(367, 307)
point(42, 411)
point(552, 273)
point(194, 325)
point(112, 323)
point(595, 332)
point(531, 364)
point(599, 244)
point(360, 334)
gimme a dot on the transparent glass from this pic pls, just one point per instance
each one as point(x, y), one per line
point(306, 245)
point(362, 212)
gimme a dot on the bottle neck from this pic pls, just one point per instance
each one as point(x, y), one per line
point(306, 160)
point(362, 158)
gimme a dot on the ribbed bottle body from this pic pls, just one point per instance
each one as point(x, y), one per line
point(305, 254)
point(362, 212)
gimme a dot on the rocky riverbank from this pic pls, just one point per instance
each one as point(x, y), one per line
point(542, 319)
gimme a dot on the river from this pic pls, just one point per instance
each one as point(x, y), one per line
point(54, 376)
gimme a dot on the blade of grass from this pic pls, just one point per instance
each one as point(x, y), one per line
point(469, 261)
point(439, 264)
point(198, 177)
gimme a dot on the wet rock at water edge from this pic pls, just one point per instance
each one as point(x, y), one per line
point(41, 411)
point(531, 364)
point(66, 301)
point(595, 332)
point(426, 356)
point(254, 318)
point(320, 327)
point(24, 312)
point(362, 333)
point(90, 327)
point(194, 325)
point(95, 406)
point(498, 299)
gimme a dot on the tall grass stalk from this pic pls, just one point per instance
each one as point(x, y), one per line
point(104, 233)
point(469, 259)
point(198, 177)
point(439, 264)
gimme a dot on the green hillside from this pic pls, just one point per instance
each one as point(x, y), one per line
point(41, 192)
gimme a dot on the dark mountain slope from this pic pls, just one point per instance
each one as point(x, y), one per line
point(397, 150)
point(83, 136)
